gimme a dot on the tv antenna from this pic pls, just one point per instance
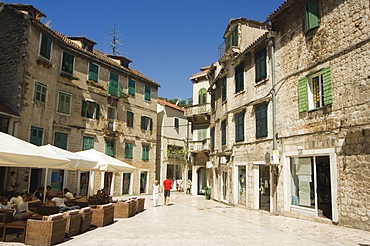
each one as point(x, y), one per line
point(114, 41)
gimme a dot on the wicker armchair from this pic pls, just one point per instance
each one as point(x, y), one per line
point(6, 217)
point(121, 209)
point(86, 216)
point(48, 231)
point(73, 222)
point(103, 215)
point(141, 203)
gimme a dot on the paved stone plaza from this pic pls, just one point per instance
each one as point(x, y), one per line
point(192, 220)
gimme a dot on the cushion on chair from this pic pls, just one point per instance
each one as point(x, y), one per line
point(85, 209)
point(53, 217)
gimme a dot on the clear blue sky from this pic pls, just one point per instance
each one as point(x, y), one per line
point(167, 40)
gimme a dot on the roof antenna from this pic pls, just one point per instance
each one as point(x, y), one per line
point(115, 41)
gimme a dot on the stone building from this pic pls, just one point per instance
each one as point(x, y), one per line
point(199, 117)
point(68, 94)
point(289, 120)
point(172, 140)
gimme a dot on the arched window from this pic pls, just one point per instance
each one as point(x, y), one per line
point(202, 94)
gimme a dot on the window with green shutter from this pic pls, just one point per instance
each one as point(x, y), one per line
point(223, 132)
point(45, 46)
point(90, 109)
point(239, 127)
point(146, 123)
point(67, 63)
point(315, 90)
point(202, 96)
point(260, 65)
point(128, 150)
point(202, 133)
point(145, 152)
point(261, 121)
point(93, 72)
point(232, 39)
point(40, 92)
point(131, 87)
point(130, 119)
point(36, 135)
point(176, 122)
point(87, 143)
point(239, 78)
point(147, 93)
point(212, 133)
point(223, 88)
point(113, 84)
point(60, 140)
point(64, 103)
point(312, 16)
point(109, 147)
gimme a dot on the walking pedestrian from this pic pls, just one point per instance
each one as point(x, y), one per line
point(167, 188)
point(188, 190)
point(156, 191)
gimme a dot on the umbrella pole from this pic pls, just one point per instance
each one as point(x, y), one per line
point(45, 183)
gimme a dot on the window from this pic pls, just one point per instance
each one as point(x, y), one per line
point(212, 132)
point(261, 121)
point(223, 88)
point(202, 133)
point(111, 113)
point(232, 39)
point(315, 90)
point(146, 123)
point(202, 96)
point(239, 127)
point(223, 132)
point(4, 124)
point(128, 150)
point(239, 78)
point(40, 92)
point(45, 46)
point(93, 72)
point(87, 143)
point(109, 147)
point(312, 17)
point(113, 84)
point(176, 122)
point(145, 152)
point(213, 99)
point(131, 87)
point(60, 140)
point(130, 119)
point(147, 93)
point(260, 65)
point(67, 63)
point(64, 103)
point(90, 110)
point(36, 135)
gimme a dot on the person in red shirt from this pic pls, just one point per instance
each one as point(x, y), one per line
point(167, 188)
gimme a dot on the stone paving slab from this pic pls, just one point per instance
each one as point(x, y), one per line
point(192, 220)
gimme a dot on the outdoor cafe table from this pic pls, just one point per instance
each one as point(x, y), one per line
point(19, 225)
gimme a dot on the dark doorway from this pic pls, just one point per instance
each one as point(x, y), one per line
point(35, 181)
point(108, 182)
point(126, 183)
point(323, 185)
point(264, 187)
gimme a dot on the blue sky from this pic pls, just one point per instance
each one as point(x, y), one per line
point(167, 40)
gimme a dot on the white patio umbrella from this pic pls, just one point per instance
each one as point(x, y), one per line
point(18, 153)
point(78, 162)
point(107, 163)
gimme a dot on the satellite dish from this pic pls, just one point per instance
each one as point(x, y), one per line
point(267, 157)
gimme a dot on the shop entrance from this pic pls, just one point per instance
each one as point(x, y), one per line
point(264, 187)
point(202, 182)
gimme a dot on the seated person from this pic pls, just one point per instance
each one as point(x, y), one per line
point(22, 212)
point(16, 198)
point(39, 194)
point(99, 194)
point(49, 193)
point(67, 194)
point(60, 202)
point(5, 205)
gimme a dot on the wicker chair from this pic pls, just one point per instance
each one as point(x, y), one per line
point(6, 217)
point(86, 216)
point(48, 231)
point(103, 215)
point(121, 209)
point(141, 203)
point(73, 222)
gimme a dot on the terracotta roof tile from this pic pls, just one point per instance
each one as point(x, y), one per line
point(170, 105)
point(277, 11)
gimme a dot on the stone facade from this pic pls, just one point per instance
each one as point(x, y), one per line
point(96, 110)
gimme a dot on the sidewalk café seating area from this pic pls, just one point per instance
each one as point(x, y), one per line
point(54, 228)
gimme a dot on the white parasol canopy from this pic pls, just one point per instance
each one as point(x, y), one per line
point(18, 153)
point(107, 163)
point(78, 162)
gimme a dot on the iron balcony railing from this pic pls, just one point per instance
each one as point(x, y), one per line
point(197, 109)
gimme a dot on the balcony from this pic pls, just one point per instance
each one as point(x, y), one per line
point(200, 146)
point(199, 113)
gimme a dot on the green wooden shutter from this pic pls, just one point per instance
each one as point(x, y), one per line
point(143, 122)
point(150, 124)
point(60, 140)
point(147, 93)
point(239, 126)
point(109, 148)
point(88, 143)
point(93, 72)
point(303, 94)
point(239, 78)
point(113, 84)
point(45, 48)
point(67, 63)
point(64, 103)
point(128, 150)
point(36, 135)
point(224, 89)
point(145, 153)
point(97, 111)
point(261, 121)
point(176, 123)
point(312, 18)
point(84, 109)
point(131, 87)
point(260, 65)
point(223, 132)
point(327, 83)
